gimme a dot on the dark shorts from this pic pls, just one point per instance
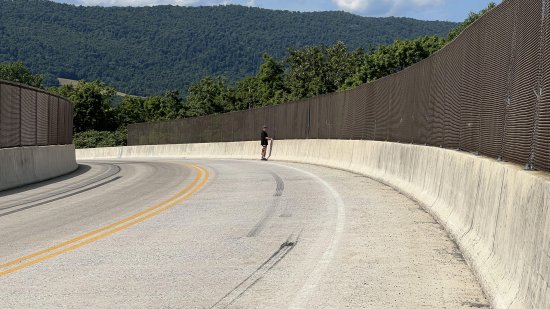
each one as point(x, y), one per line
point(264, 145)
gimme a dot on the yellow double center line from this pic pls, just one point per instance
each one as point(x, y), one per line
point(77, 242)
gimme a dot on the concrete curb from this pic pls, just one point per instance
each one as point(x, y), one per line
point(24, 165)
point(497, 213)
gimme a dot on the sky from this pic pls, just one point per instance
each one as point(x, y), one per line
point(451, 10)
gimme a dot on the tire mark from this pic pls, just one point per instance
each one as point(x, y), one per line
point(271, 209)
point(61, 197)
point(111, 171)
point(237, 292)
point(280, 184)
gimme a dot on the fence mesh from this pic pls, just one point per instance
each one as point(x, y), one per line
point(32, 117)
point(487, 92)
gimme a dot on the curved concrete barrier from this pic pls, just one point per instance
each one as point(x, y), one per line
point(24, 165)
point(497, 213)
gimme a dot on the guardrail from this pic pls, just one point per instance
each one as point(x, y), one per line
point(33, 117)
point(487, 92)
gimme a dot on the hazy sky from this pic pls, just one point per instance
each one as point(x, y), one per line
point(453, 10)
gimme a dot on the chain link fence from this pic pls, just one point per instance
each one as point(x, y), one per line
point(487, 92)
point(33, 117)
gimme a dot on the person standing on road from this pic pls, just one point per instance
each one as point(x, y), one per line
point(264, 137)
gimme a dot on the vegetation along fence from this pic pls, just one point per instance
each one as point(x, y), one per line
point(33, 117)
point(487, 92)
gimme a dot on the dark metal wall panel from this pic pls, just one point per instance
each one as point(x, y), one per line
point(338, 111)
point(453, 90)
point(195, 129)
point(348, 115)
point(470, 92)
point(71, 123)
point(292, 121)
point(10, 116)
point(52, 120)
point(520, 116)
point(133, 134)
point(324, 120)
point(541, 156)
point(42, 116)
point(226, 124)
point(136, 134)
point(395, 95)
point(301, 116)
point(367, 99)
point(403, 106)
point(153, 134)
point(270, 115)
point(186, 131)
point(239, 126)
point(28, 117)
point(314, 113)
point(142, 130)
point(172, 130)
point(381, 109)
point(437, 99)
point(495, 74)
point(157, 135)
point(356, 113)
point(251, 131)
point(259, 121)
point(280, 129)
point(204, 125)
point(25, 118)
point(160, 132)
point(281, 126)
point(69, 132)
point(216, 127)
point(61, 121)
point(421, 113)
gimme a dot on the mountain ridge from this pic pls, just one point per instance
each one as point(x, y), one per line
point(146, 50)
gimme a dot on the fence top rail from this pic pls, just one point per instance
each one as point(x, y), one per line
point(6, 82)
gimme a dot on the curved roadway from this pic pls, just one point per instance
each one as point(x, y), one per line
point(218, 234)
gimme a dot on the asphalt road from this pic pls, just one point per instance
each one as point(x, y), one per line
point(218, 234)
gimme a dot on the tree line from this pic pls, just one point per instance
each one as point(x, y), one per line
point(101, 117)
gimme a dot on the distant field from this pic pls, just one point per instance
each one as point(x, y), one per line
point(65, 81)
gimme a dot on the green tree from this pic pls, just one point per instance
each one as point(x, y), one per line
point(389, 59)
point(92, 105)
point(165, 107)
point(317, 70)
point(17, 72)
point(472, 17)
point(92, 138)
point(248, 93)
point(131, 110)
point(211, 95)
point(270, 77)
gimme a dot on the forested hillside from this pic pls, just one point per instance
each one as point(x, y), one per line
point(144, 51)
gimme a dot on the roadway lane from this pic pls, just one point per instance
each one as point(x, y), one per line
point(216, 234)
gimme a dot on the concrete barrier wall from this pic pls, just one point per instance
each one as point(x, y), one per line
point(24, 165)
point(497, 212)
